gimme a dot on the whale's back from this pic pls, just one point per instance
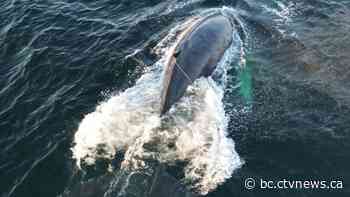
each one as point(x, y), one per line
point(196, 55)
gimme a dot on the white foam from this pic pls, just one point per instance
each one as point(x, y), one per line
point(116, 123)
point(195, 130)
point(284, 13)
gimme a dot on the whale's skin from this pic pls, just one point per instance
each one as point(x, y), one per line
point(196, 53)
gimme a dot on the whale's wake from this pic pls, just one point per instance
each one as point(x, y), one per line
point(194, 131)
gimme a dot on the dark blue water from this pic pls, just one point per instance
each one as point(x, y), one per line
point(58, 60)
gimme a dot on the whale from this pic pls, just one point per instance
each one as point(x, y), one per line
point(196, 54)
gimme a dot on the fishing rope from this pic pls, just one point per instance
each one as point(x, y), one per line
point(179, 67)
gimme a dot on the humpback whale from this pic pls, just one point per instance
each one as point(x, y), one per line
point(197, 52)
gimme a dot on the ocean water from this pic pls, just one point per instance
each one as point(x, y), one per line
point(79, 89)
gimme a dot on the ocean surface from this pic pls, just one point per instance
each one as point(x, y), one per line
point(79, 93)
